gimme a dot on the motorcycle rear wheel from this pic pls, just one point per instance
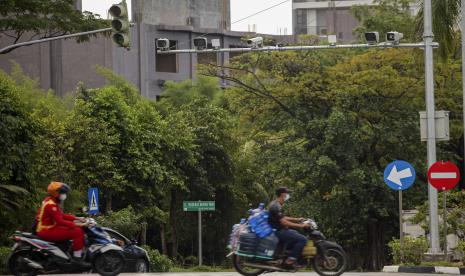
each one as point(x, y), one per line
point(334, 263)
point(18, 266)
point(238, 263)
point(109, 263)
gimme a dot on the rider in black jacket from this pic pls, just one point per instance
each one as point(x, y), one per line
point(283, 223)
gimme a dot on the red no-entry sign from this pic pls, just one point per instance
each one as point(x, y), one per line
point(443, 175)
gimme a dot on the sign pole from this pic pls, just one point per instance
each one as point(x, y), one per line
point(444, 176)
point(401, 227)
point(445, 223)
point(200, 237)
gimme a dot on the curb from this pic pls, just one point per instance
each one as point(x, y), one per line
point(425, 269)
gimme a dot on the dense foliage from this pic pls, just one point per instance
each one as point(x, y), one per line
point(325, 123)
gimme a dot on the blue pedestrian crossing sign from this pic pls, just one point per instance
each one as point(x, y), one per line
point(399, 175)
point(93, 201)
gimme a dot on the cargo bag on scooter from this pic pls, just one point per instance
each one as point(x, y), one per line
point(250, 245)
point(267, 247)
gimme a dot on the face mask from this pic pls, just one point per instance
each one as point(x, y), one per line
point(62, 197)
point(287, 197)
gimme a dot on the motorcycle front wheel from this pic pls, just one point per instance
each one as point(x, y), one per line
point(333, 263)
point(109, 263)
point(238, 263)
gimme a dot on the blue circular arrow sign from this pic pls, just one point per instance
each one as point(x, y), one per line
point(399, 175)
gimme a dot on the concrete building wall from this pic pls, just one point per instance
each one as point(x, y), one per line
point(326, 17)
point(214, 14)
point(60, 65)
point(186, 63)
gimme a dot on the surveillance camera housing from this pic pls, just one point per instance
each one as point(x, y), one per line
point(372, 38)
point(332, 39)
point(255, 42)
point(394, 37)
point(216, 43)
point(163, 44)
point(200, 43)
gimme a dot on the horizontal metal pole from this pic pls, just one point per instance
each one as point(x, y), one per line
point(51, 39)
point(297, 48)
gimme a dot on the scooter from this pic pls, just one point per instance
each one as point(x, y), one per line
point(31, 255)
point(326, 258)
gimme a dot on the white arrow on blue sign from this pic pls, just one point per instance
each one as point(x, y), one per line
point(399, 175)
point(93, 201)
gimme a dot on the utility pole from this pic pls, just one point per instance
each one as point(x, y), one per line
point(430, 114)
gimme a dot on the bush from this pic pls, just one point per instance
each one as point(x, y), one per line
point(191, 261)
point(125, 221)
point(158, 262)
point(461, 250)
point(4, 253)
point(413, 250)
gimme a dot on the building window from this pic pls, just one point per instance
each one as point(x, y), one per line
point(167, 62)
point(207, 58)
point(301, 14)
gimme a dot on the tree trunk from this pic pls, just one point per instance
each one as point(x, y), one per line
point(173, 224)
point(108, 202)
point(164, 247)
point(143, 234)
point(374, 258)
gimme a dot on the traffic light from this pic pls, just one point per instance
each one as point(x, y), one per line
point(120, 24)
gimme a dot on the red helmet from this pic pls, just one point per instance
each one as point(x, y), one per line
point(56, 188)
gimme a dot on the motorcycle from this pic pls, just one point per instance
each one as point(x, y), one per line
point(31, 255)
point(326, 258)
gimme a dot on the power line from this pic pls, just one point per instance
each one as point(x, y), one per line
point(259, 12)
point(237, 21)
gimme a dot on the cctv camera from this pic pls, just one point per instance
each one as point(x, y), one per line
point(372, 38)
point(163, 44)
point(200, 43)
point(216, 43)
point(255, 42)
point(394, 37)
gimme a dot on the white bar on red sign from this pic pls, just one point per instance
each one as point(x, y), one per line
point(452, 175)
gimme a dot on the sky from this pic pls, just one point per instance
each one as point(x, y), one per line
point(272, 21)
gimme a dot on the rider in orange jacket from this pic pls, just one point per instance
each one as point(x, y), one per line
point(54, 225)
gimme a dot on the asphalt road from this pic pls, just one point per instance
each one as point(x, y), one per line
point(276, 274)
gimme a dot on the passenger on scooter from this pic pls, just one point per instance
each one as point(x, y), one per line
point(282, 223)
point(55, 226)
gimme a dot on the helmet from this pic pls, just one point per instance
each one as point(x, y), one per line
point(56, 188)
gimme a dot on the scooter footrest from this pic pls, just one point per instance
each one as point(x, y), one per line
point(242, 254)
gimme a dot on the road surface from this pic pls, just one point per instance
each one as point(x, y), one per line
point(274, 274)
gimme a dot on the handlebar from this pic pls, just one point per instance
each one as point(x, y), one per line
point(89, 222)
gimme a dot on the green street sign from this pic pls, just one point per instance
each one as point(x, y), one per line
point(194, 206)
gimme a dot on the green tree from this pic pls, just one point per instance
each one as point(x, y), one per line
point(325, 124)
point(446, 16)
point(385, 16)
point(24, 20)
